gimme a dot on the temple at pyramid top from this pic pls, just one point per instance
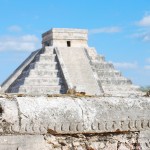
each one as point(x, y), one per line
point(64, 62)
point(65, 38)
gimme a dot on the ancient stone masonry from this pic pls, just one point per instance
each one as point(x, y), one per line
point(74, 122)
point(76, 115)
point(65, 96)
point(64, 62)
point(41, 75)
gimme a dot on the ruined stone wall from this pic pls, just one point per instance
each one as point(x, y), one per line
point(70, 122)
point(108, 141)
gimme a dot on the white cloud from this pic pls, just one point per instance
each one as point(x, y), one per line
point(14, 28)
point(125, 65)
point(105, 30)
point(144, 36)
point(147, 67)
point(22, 43)
point(145, 21)
point(143, 33)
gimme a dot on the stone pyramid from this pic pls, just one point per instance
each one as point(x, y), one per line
point(64, 62)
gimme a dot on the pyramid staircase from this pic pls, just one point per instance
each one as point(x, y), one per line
point(43, 75)
point(111, 80)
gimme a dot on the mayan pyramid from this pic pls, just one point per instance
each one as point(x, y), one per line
point(64, 62)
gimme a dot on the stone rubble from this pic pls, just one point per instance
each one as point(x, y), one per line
point(110, 141)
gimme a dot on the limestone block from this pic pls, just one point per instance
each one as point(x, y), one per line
point(47, 57)
point(101, 126)
point(66, 126)
point(48, 50)
point(94, 126)
point(41, 82)
point(43, 66)
point(38, 90)
point(144, 139)
point(63, 115)
point(101, 145)
point(124, 125)
point(123, 147)
point(92, 53)
point(9, 116)
point(23, 142)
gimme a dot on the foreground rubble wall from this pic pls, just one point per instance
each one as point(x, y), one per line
point(74, 122)
point(122, 141)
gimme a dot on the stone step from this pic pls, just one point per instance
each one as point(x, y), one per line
point(122, 93)
point(107, 73)
point(36, 89)
point(120, 88)
point(100, 58)
point(49, 50)
point(121, 78)
point(43, 66)
point(40, 81)
point(114, 78)
point(43, 73)
point(46, 57)
point(104, 65)
point(115, 81)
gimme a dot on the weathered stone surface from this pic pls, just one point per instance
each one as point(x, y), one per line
point(68, 115)
point(9, 118)
point(81, 74)
point(23, 142)
point(59, 37)
point(110, 80)
point(127, 141)
point(49, 123)
point(144, 139)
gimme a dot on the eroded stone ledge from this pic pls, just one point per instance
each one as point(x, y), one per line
point(68, 115)
point(61, 123)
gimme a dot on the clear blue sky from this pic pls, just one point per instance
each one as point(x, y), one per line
point(120, 30)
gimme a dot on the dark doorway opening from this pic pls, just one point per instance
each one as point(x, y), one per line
point(47, 44)
point(68, 44)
